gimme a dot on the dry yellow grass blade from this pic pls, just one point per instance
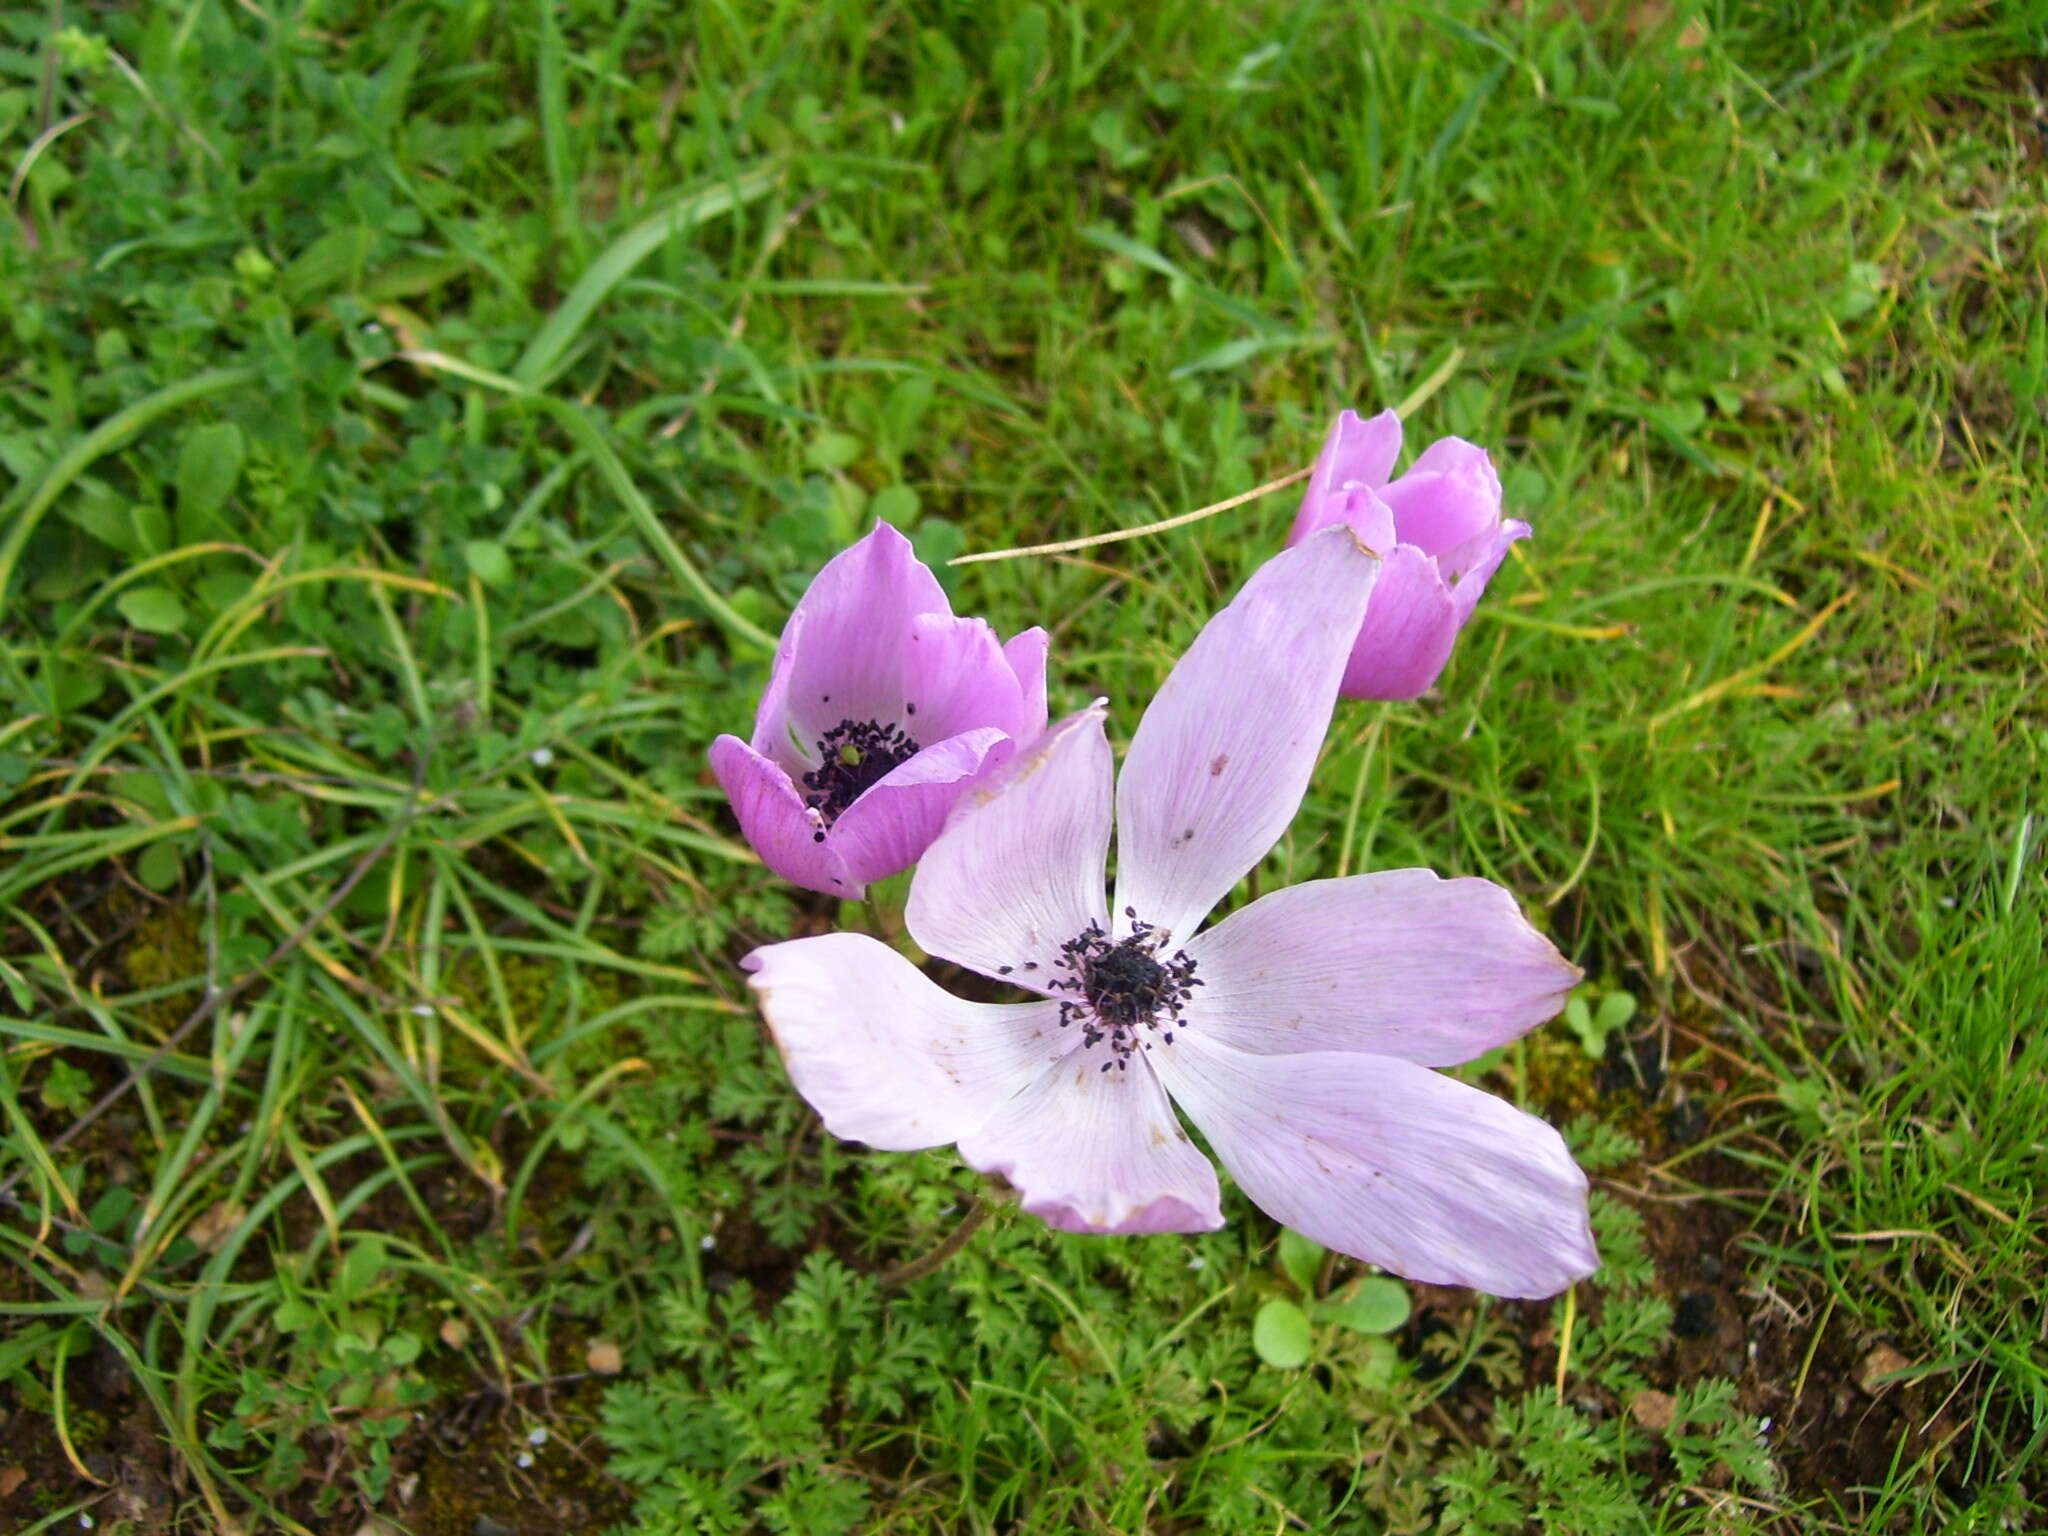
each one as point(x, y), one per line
point(1737, 680)
point(1181, 520)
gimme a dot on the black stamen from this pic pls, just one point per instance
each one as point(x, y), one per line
point(1125, 989)
point(854, 756)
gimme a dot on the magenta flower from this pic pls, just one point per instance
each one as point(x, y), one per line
point(1297, 1034)
point(880, 710)
point(1438, 531)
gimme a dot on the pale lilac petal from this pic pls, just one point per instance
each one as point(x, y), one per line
point(1391, 1163)
point(1026, 655)
point(775, 821)
point(1219, 763)
point(1095, 1151)
point(955, 678)
point(1399, 963)
point(889, 827)
point(1449, 496)
point(1019, 869)
point(1471, 566)
point(1410, 626)
point(1361, 511)
point(1320, 512)
point(1357, 454)
point(856, 621)
point(772, 737)
point(885, 1055)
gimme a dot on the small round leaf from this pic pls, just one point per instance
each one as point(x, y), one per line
point(1301, 1257)
point(488, 559)
point(897, 506)
point(154, 610)
point(1280, 1334)
point(833, 450)
point(1376, 1304)
point(159, 866)
point(1615, 1010)
point(1380, 1359)
point(209, 464)
point(1577, 1015)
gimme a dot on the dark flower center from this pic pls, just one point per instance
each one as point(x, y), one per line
point(853, 757)
point(1126, 991)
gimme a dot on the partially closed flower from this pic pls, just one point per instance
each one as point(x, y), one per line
point(1439, 534)
point(881, 708)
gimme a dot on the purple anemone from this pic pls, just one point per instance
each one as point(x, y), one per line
point(881, 708)
point(1438, 530)
point(1297, 1034)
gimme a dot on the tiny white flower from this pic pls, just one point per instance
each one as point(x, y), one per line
point(540, 757)
point(524, 1458)
point(538, 1435)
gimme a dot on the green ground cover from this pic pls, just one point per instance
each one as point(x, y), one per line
point(416, 415)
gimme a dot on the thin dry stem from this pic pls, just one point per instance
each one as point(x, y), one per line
point(952, 1243)
point(1120, 534)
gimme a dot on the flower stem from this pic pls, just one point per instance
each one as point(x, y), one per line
point(877, 920)
point(952, 1243)
point(1374, 734)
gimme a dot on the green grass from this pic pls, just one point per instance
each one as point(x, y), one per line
point(419, 415)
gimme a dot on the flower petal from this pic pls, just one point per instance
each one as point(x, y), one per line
point(955, 678)
point(1026, 655)
point(856, 623)
point(772, 737)
point(1449, 496)
point(1391, 1163)
point(776, 823)
point(1357, 454)
point(1399, 963)
point(884, 1054)
point(1361, 511)
point(1410, 626)
point(888, 829)
point(1095, 1151)
point(1472, 565)
point(1219, 763)
point(1019, 869)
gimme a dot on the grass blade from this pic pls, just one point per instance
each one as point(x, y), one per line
point(544, 354)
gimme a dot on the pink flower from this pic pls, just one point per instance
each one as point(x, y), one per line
point(1297, 1034)
point(1438, 531)
point(881, 709)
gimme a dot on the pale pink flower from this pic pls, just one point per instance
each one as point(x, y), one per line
point(881, 708)
point(1438, 530)
point(1298, 1034)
